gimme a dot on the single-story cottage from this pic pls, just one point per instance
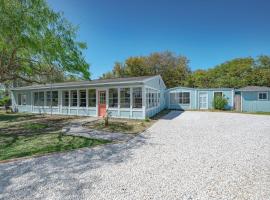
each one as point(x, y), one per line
point(252, 99)
point(184, 98)
point(133, 97)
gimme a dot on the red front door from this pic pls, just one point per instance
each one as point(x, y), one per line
point(101, 103)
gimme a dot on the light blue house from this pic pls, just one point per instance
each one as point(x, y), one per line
point(184, 98)
point(134, 97)
point(253, 99)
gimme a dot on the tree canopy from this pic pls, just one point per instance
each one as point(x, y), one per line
point(235, 73)
point(36, 42)
point(173, 68)
point(175, 71)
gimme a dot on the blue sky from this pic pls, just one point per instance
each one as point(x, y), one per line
point(207, 32)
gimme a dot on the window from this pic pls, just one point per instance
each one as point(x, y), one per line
point(173, 98)
point(262, 96)
point(48, 98)
point(92, 98)
point(102, 97)
point(82, 98)
point(152, 100)
point(137, 97)
point(147, 98)
point(54, 98)
point(74, 98)
point(41, 98)
point(38, 98)
point(218, 94)
point(35, 98)
point(184, 97)
point(19, 99)
point(113, 98)
point(125, 98)
point(65, 98)
point(23, 99)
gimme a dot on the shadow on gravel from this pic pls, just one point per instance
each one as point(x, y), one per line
point(173, 114)
point(64, 175)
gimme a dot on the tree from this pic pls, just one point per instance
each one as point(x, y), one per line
point(173, 68)
point(36, 42)
point(234, 73)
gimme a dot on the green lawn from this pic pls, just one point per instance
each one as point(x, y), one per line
point(27, 135)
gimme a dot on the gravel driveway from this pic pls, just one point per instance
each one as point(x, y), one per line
point(190, 155)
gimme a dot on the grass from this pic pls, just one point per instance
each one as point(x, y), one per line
point(28, 135)
point(128, 126)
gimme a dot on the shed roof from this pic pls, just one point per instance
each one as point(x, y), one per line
point(201, 89)
point(96, 82)
point(254, 88)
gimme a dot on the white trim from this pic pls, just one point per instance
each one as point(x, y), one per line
point(83, 86)
point(196, 98)
point(258, 96)
point(241, 101)
point(233, 94)
point(216, 91)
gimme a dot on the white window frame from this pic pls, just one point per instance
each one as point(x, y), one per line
point(22, 96)
point(178, 99)
point(262, 93)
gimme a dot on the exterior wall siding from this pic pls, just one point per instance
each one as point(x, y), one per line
point(194, 98)
point(157, 84)
point(137, 113)
point(250, 102)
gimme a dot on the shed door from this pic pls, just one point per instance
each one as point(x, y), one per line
point(203, 100)
point(101, 103)
point(237, 102)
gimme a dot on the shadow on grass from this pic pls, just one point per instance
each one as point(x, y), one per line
point(71, 171)
point(12, 117)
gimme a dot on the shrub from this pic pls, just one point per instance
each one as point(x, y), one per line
point(220, 103)
point(5, 101)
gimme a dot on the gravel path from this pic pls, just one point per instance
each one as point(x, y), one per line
point(190, 155)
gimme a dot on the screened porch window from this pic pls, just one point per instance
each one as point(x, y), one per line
point(173, 98)
point(137, 97)
point(125, 98)
point(113, 98)
point(74, 98)
point(21, 99)
point(52, 98)
point(48, 98)
point(92, 98)
point(38, 98)
point(65, 98)
point(82, 98)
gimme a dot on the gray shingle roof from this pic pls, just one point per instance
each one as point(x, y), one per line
point(96, 82)
point(254, 88)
